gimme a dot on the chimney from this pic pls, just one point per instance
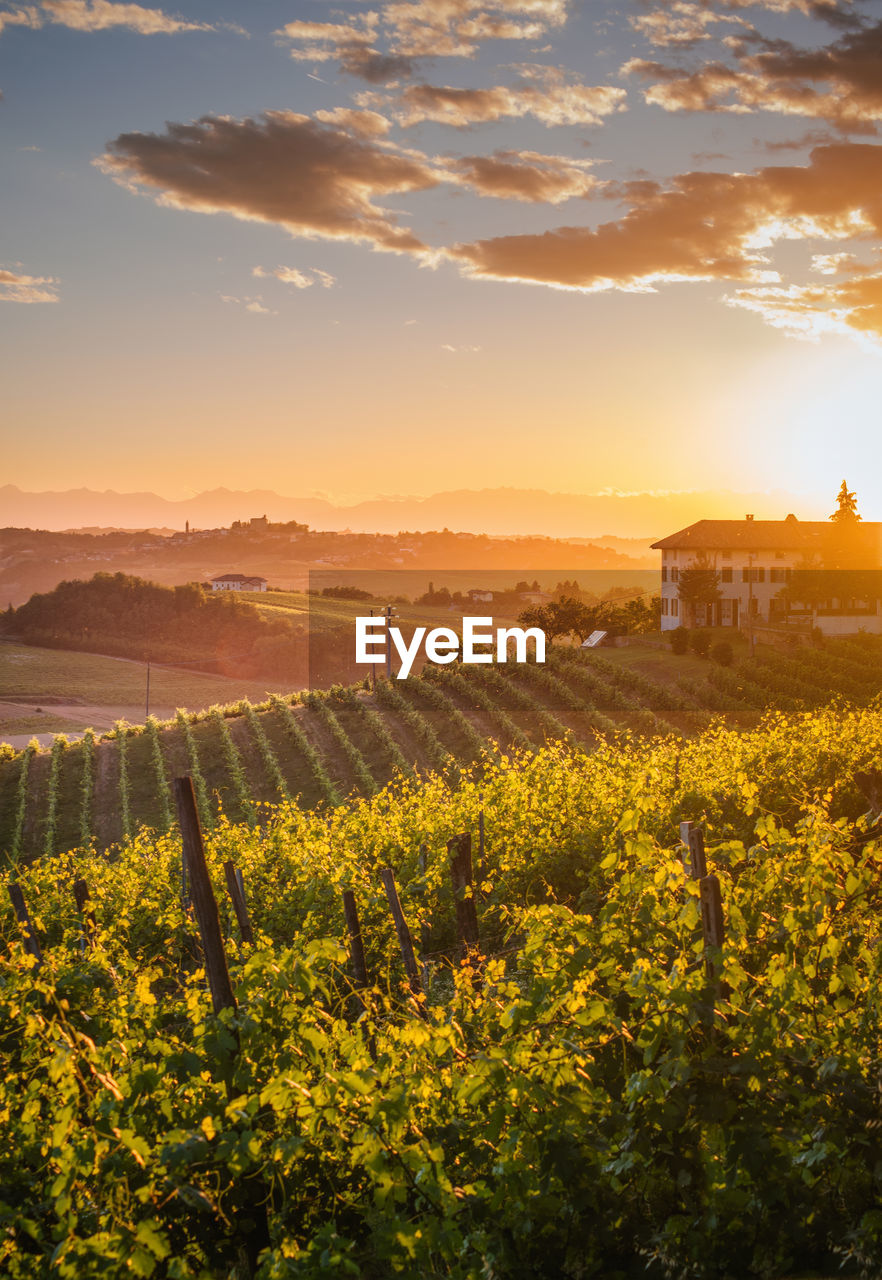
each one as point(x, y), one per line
point(748, 517)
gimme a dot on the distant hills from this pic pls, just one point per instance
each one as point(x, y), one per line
point(601, 517)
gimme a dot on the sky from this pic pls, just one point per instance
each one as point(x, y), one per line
point(421, 245)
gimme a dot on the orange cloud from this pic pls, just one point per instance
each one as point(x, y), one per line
point(841, 83)
point(682, 24)
point(15, 287)
point(545, 93)
point(367, 124)
point(98, 15)
point(313, 179)
point(526, 175)
point(299, 279)
point(415, 29)
point(708, 226)
point(28, 16)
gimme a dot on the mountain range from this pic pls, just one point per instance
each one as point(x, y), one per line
point(610, 517)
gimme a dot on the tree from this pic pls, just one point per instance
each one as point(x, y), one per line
point(564, 617)
point(699, 583)
point(846, 506)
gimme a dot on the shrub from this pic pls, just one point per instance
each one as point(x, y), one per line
point(699, 642)
point(679, 640)
point(721, 652)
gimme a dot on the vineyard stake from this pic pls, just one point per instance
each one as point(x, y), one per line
point(711, 919)
point(405, 943)
point(236, 891)
point(88, 923)
point(460, 850)
point(711, 900)
point(204, 902)
point(21, 911)
point(356, 946)
point(693, 839)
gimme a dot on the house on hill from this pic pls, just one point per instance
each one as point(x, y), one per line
point(237, 582)
point(756, 568)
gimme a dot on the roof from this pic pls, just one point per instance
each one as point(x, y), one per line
point(236, 577)
point(791, 534)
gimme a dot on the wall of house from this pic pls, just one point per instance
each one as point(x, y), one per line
point(737, 592)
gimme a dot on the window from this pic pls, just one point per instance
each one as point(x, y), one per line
point(753, 575)
point(664, 604)
point(664, 574)
point(726, 573)
point(675, 607)
point(779, 575)
point(675, 575)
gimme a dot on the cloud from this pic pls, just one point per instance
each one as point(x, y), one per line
point(681, 25)
point(254, 305)
point(351, 45)
point(545, 93)
point(838, 13)
point(811, 311)
point(841, 83)
point(384, 45)
point(710, 227)
point(290, 275)
point(526, 175)
point(311, 178)
point(366, 124)
point(28, 16)
point(15, 287)
point(98, 15)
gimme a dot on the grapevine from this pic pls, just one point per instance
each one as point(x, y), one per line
point(87, 788)
point(270, 763)
point(163, 789)
point(234, 765)
point(319, 705)
point(59, 745)
point(203, 805)
point(305, 748)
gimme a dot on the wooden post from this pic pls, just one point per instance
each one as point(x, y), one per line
point(693, 839)
point(89, 923)
point(711, 918)
point(405, 943)
point(356, 946)
point(460, 850)
point(30, 934)
point(204, 902)
point(237, 897)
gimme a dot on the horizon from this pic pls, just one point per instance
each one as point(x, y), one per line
point(503, 512)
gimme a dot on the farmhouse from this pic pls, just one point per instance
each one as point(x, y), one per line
point(237, 582)
point(756, 568)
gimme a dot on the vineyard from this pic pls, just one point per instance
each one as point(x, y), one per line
point(590, 1091)
point(323, 748)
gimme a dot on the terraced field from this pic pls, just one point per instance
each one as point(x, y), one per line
point(319, 749)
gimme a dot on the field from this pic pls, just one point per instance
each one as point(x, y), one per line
point(593, 1092)
point(325, 747)
point(77, 691)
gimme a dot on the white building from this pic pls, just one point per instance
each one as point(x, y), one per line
point(755, 559)
point(237, 582)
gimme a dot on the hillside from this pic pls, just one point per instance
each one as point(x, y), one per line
point(321, 748)
point(592, 1092)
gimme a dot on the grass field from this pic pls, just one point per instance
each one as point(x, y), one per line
point(86, 684)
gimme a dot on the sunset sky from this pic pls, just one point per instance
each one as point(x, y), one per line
point(536, 243)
